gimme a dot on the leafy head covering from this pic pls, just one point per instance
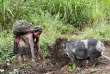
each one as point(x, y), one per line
point(21, 27)
point(38, 29)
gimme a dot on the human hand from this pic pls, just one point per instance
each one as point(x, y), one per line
point(41, 54)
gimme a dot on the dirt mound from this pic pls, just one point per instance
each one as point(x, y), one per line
point(107, 42)
point(56, 49)
point(57, 56)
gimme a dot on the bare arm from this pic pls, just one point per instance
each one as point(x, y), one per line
point(39, 49)
point(31, 42)
point(37, 43)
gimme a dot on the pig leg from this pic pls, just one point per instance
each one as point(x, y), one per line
point(81, 63)
point(72, 60)
point(72, 57)
point(94, 61)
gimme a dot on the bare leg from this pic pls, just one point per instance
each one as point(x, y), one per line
point(20, 59)
point(33, 56)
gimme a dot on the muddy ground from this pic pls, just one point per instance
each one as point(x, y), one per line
point(57, 63)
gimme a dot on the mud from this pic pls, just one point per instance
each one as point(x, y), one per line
point(58, 63)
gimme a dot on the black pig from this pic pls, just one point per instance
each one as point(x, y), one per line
point(84, 49)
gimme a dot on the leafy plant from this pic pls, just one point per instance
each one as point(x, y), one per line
point(59, 18)
point(6, 43)
point(72, 68)
point(78, 13)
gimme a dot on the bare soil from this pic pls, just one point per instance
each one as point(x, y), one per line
point(57, 63)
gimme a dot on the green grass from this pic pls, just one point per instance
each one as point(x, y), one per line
point(78, 13)
point(6, 45)
point(97, 32)
point(59, 18)
point(53, 28)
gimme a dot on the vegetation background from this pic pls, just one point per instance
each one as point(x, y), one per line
point(71, 19)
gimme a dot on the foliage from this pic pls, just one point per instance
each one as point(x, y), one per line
point(52, 30)
point(78, 13)
point(6, 41)
point(59, 18)
point(97, 32)
point(72, 68)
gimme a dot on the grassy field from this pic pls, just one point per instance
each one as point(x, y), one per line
point(71, 19)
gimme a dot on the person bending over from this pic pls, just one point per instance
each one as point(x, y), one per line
point(27, 41)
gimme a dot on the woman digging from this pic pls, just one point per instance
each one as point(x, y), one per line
point(24, 43)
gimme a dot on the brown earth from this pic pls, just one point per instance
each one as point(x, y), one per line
point(58, 63)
